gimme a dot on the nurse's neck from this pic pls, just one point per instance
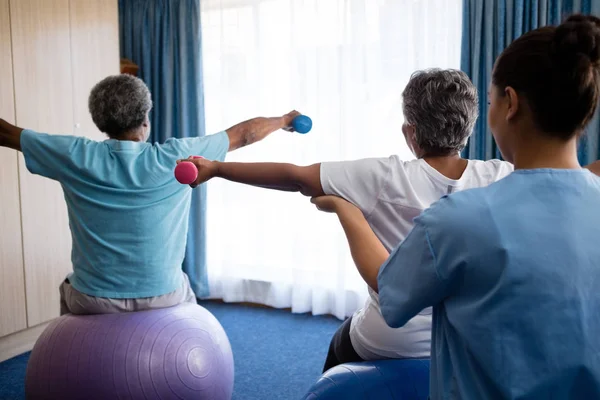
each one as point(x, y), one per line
point(538, 150)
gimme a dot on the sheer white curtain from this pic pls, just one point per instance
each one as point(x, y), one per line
point(344, 63)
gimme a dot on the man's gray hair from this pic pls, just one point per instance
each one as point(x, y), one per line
point(119, 104)
point(442, 105)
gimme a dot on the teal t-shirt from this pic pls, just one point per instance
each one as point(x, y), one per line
point(127, 213)
point(513, 273)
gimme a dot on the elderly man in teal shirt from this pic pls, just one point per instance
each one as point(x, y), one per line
point(128, 215)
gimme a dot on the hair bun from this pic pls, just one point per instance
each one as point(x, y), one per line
point(578, 36)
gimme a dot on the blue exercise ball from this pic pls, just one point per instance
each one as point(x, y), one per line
point(374, 380)
point(302, 124)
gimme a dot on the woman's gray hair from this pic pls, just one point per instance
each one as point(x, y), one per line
point(119, 104)
point(442, 105)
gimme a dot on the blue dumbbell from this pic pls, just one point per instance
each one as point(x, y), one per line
point(302, 124)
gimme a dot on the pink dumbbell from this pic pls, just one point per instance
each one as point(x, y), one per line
point(186, 172)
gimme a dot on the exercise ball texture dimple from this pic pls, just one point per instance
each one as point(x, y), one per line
point(180, 352)
point(374, 380)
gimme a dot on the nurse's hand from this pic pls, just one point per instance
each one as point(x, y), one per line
point(594, 167)
point(331, 204)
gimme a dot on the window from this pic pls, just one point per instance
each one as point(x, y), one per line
point(344, 63)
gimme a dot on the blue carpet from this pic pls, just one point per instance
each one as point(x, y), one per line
point(12, 378)
point(278, 355)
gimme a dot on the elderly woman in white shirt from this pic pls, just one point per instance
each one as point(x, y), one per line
point(440, 109)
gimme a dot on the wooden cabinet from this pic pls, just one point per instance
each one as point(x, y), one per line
point(93, 37)
point(12, 279)
point(52, 52)
point(44, 102)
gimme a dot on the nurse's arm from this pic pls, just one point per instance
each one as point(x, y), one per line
point(410, 279)
point(366, 249)
point(10, 135)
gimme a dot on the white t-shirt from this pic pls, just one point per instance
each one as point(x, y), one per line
point(391, 193)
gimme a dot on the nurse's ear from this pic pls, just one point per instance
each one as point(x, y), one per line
point(512, 103)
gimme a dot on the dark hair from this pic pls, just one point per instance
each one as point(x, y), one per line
point(557, 70)
point(119, 104)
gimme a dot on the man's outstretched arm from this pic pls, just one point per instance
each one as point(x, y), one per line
point(278, 176)
point(257, 129)
point(10, 135)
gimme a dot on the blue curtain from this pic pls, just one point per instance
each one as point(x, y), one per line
point(163, 38)
point(489, 26)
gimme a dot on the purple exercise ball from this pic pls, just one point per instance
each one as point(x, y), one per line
point(179, 352)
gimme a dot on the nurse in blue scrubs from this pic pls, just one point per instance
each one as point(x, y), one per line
point(513, 269)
